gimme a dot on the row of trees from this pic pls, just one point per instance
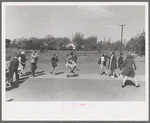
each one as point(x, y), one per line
point(51, 43)
point(135, 44)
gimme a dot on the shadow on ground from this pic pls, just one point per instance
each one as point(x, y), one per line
point(40, 73)
point(16, 84)
point(75, 75)
point(10, 100)
point(22, 79)
point(58, 73)
point(129, 83)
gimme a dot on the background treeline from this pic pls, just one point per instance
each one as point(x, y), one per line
point(135, 44)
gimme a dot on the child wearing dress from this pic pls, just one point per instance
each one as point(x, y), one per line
point(54, 60)
point(112, 65)
point(20, 67)
point(129, 69)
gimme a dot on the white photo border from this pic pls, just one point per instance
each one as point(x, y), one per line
point(95, 111)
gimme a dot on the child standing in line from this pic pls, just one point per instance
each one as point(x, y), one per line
point(129, 69)
point(102, 62)
point(54, 60)
point(33, 63)
point(120, 62)
point(105, 64)
point(36, 53)
point(20, 67)
point(112, 65)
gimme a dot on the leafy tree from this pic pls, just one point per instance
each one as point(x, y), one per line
point(99, 46)
point(137, 44)
point(79, 39)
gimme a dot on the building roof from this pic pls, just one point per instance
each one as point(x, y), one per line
point(70, 42)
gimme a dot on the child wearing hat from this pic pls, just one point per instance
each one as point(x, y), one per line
point(129, 69)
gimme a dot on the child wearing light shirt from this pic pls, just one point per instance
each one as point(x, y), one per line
point(102, 62)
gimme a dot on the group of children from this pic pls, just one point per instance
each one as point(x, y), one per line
point(71, 63)
point(17, 66)
point(127, 66)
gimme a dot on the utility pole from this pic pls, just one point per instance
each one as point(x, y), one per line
point(121, 34)
point(104, 39)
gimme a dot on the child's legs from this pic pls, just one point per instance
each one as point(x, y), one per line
point(112, 71)
point(135, 82)
point(23, 66)
point(54, 69)
point(7, 77)
point(74, 68)
point(69, 71)
point(125, 78)
point(22, 69)
point(105, 69)
point(101, 68)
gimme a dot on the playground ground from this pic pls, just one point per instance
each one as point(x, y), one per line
point(86, 85)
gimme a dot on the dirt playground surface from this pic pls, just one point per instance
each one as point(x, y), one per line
point(86, 85)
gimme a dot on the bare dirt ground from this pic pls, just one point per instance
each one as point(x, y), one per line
point(86, 85)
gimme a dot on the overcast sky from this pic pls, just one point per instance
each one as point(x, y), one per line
point(64, 21)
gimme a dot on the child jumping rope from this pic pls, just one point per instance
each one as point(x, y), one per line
point(71, 64)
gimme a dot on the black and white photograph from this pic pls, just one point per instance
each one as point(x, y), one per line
point(75, 61)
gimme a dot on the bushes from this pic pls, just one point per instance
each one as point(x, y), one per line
point(135, 44)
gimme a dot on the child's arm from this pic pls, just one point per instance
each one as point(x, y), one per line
point(134, 65)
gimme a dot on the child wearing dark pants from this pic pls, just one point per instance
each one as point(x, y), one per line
point(102, 63)
point(33, 63)
point(54, 60)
